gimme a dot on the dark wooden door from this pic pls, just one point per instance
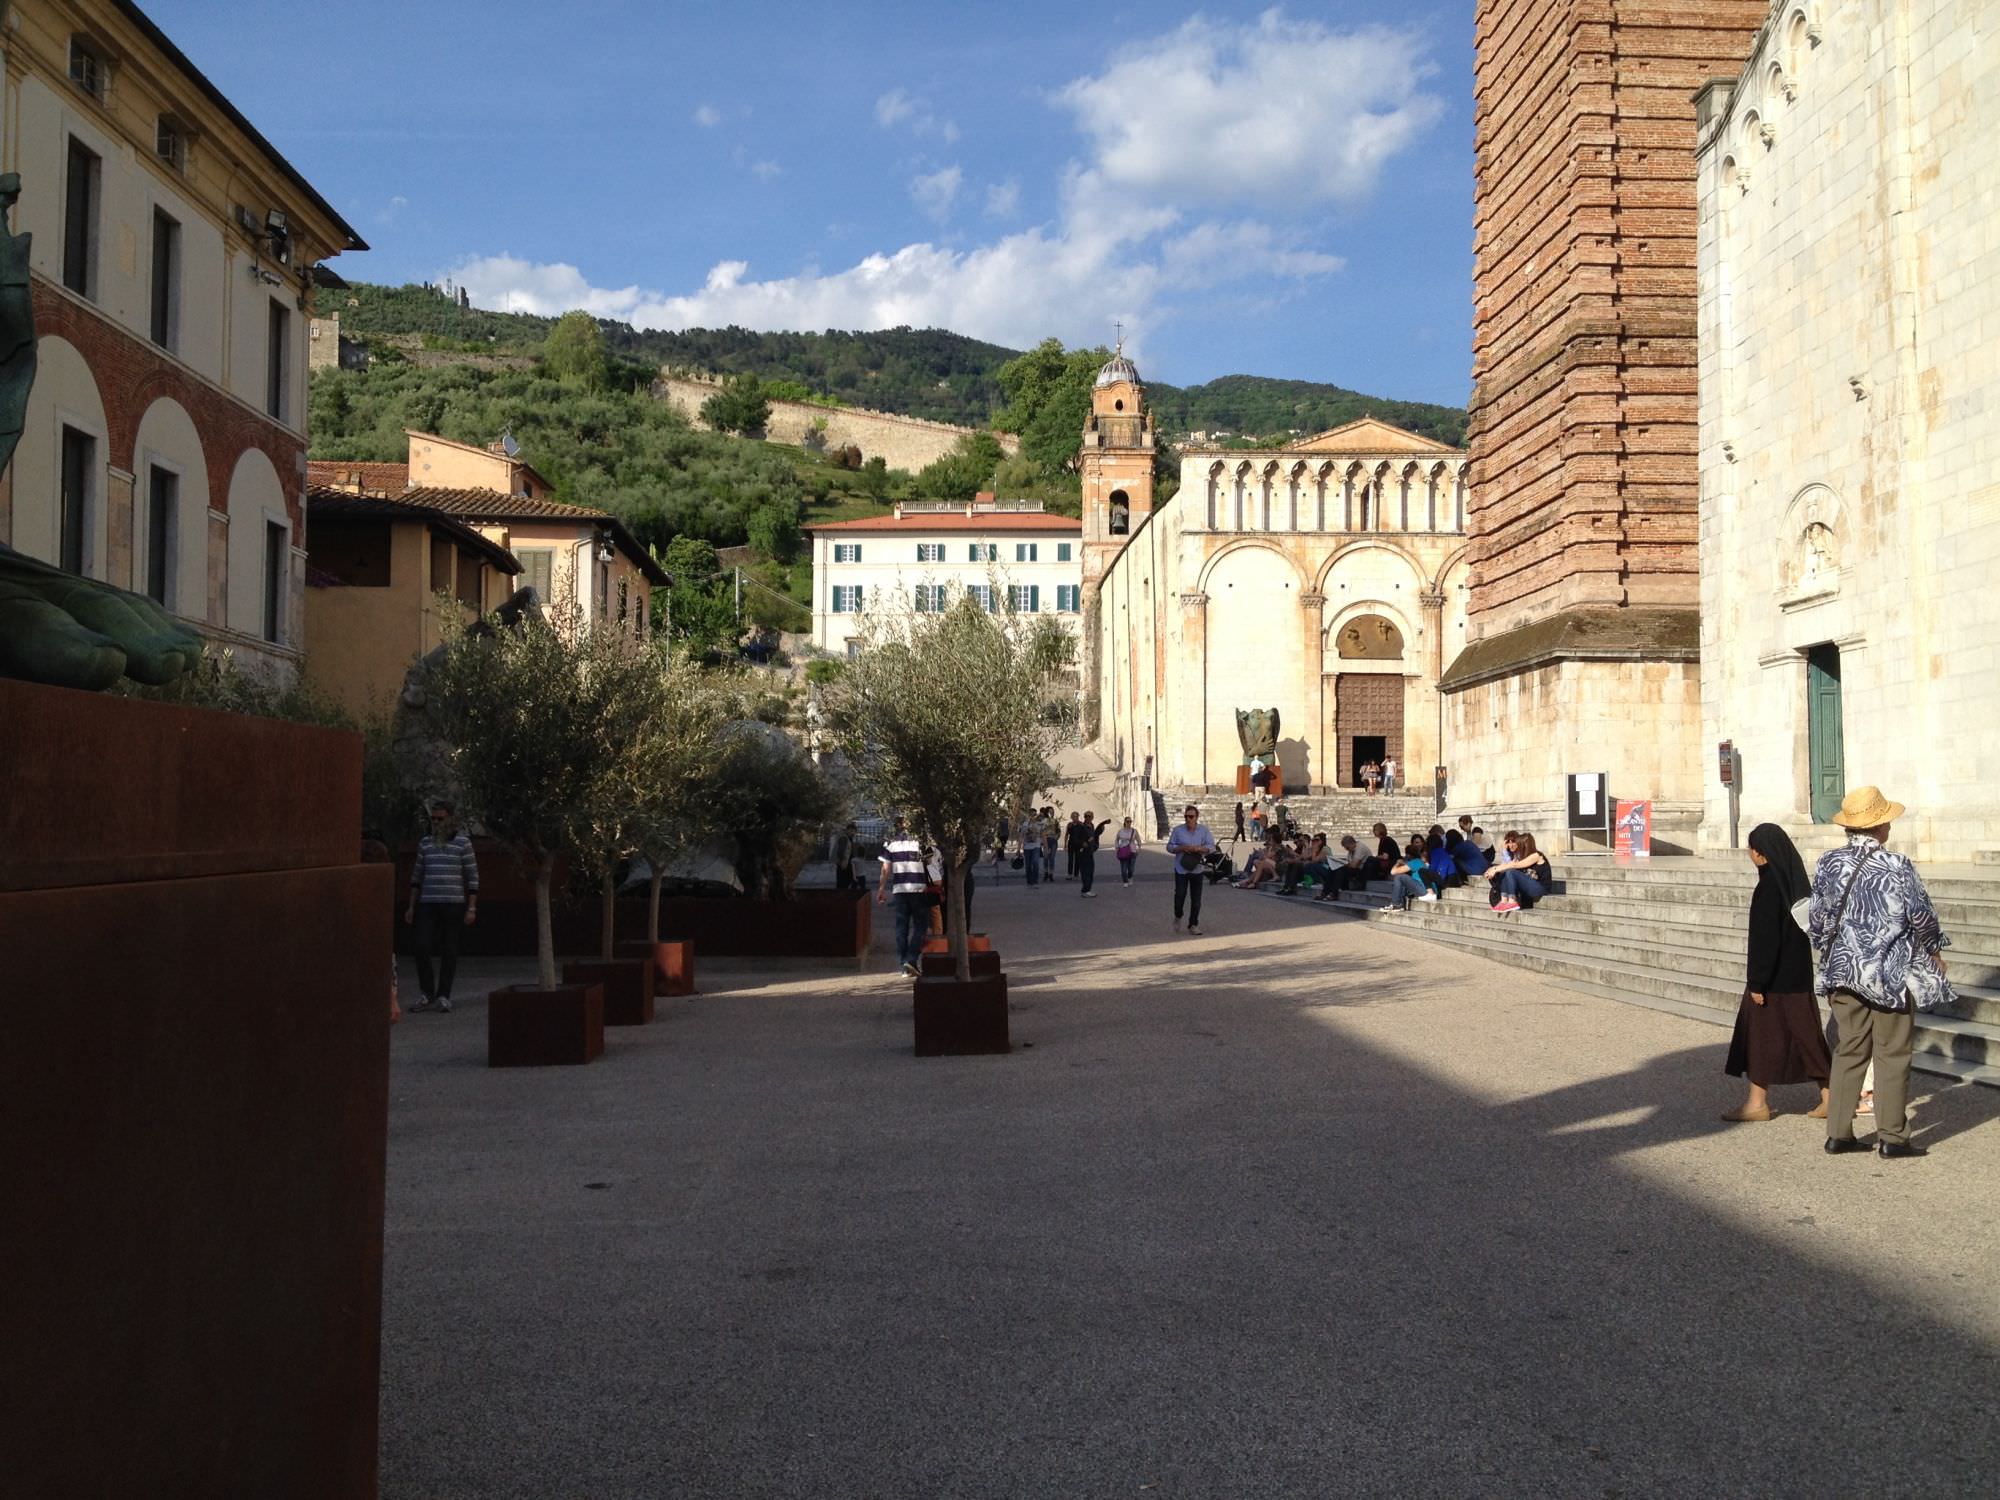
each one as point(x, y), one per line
point(1825, 758)
point(1368, 706)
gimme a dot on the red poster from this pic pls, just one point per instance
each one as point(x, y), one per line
point(1634, 829)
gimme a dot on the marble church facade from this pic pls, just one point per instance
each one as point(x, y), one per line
point(1326, 580)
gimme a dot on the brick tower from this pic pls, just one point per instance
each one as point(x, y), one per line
point(1116, 463)
point(1582, 639)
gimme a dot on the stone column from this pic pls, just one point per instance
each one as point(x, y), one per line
point(1311, 607)
point(1430, 702)
point(1191, 697)
point(118, 528)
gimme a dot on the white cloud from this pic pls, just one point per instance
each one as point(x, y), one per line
point(707, 116)
point(764, 171)
point(935, 192)
point(897, 108)
point(1185, 135)
point(1282, 112)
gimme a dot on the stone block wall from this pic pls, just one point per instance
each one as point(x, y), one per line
point(900, 442)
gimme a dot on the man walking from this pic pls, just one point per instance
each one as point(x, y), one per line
point(905, 878)
point(1031, 846)
point(444, 901)
point(1188, 845)
point(1086, 850)
point(1072, 840)
point(1882, 959)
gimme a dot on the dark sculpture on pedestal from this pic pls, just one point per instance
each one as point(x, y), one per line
point(55, 626)
point(1257, 730)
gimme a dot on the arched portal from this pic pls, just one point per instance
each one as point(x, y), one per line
point(1121, 513)
point(1368, 694)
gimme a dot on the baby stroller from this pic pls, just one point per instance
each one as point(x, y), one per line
point(1217, 866)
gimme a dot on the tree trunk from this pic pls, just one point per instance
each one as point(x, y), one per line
point(954, 910)
point(653, 905)
point(545, 922)
point(608, 892)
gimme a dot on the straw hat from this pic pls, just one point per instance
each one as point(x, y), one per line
point(1866, 807)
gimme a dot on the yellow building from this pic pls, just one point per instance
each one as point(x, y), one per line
point(171, 274)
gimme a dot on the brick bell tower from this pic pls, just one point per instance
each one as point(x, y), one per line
point(1116, 463)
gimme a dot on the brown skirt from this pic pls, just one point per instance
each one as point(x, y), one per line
point(1778, 1042)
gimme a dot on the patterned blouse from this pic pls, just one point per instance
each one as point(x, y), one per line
point(1889, 921)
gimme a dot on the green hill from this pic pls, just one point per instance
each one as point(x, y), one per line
point(919, 372)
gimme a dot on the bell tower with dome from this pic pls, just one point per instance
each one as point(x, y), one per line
point(1116, 464)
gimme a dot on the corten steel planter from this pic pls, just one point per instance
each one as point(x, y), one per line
point(531, 1028)
point(673, 964)
point(985, 964)
point(975, 942)
point(814, 924)
point(628, 987)
point(957, 1018)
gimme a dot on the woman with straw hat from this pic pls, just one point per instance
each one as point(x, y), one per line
point(1882, 961)
point(1777, 1039)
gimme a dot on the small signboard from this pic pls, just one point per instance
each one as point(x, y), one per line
point(1633, 830)
point(1589, 803)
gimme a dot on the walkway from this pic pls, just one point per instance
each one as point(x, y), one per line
point(1295, 1208)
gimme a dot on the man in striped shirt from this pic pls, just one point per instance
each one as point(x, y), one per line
point(905, 879)
point(444, 897)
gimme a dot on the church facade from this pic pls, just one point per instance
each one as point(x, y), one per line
point(1325, 580)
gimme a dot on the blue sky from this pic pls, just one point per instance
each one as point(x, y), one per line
point(1278, 192)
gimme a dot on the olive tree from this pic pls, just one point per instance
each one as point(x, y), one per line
point(671, 801)
point(949, 715)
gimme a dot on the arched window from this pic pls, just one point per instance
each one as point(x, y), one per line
point(1121, 513)
point(1369, 638)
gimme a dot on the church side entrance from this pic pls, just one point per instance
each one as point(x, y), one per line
point(1826, 766)
point(1367, 720)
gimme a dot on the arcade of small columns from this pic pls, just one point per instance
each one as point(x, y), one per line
point(1194, 623)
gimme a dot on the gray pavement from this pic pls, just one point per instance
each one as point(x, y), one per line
point(1294, 1208)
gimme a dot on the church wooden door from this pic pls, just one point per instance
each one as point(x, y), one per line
point(1826, 758)
point(1367, 707)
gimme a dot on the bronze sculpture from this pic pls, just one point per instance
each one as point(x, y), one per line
point(55, 626)
point(1257, 731)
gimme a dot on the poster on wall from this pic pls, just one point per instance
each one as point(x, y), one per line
point(1633, 830)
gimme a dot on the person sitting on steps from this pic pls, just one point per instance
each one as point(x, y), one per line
point(1523, 878)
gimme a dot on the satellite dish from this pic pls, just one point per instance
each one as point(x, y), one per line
point(508, 445)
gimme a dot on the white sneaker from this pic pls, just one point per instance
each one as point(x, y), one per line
point(1087, 895)
point(422, 1002)
point(1193, 931)
point(1428, 896)
point(444, 1003)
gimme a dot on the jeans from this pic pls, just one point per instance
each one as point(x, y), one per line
point(1523, 887)
point(1125, 870)
point(1075, 862)
point(913, 925)
point(1388, 782)
point(1187, 894)
point(1031, 858)
point(439, 924)
point(1408, 889)
point(1086, 867)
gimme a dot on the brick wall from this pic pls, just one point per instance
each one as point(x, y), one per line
point(1583, 430)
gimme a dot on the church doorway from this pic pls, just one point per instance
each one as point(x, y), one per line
point(1367, 719)
point(1826, 758)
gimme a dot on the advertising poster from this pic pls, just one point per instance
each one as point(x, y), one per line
point(1633, 829)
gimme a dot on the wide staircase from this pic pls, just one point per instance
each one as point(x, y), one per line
point(1332, 812)
point(1671, 933)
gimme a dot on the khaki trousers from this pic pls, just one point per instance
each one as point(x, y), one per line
point(1886, 1036)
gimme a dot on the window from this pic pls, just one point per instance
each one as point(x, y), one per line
point(930, 551)
point(639, 614)
point(624, 599)
point(79, 473)
point(853, 649)
point(1024, 597)
point(276, 381)
point(79, 261)
point(170, 143)
point(1069, 598)
point(932, 598)
point(538, 565)
point(472, 581)
point(1062, 551)
point(1024, 552)
point(350, 554)
point(983, 593)
point(276, 547)
point(983, 552)
point(86, 67)
point(847, 552)
point(166, 281)
point(163, 499)
point(603, 590)
point(847, 598)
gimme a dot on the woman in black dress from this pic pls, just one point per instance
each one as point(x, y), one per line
point(1778, 1037)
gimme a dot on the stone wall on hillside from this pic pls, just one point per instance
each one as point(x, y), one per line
point(900, 442)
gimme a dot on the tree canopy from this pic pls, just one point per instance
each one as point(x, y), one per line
point(575, 351)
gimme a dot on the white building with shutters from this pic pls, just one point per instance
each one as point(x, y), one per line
point(929, 552)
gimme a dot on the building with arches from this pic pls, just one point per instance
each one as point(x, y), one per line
point(1326, 579)
point(1849, 379)
point(171, 273)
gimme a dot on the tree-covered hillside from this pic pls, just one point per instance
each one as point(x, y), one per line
point(920, 372)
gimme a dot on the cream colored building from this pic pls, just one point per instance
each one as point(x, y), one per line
point(1325, 579)
point(1850, 417)
point(171, 278)
point(926, 554)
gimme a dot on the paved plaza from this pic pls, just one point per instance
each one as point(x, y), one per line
point(1298, 1207)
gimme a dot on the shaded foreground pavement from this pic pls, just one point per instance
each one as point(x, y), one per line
point(1294, 1208)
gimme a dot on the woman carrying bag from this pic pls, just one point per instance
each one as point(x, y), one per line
point(1777, 1040)
point(1128, 848)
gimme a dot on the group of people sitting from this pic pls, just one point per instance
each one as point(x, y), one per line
point(1420, 867)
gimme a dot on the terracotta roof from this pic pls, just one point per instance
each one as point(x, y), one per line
point(382, 478)
point(491, 505)
point(958, 520)
point(323, 504)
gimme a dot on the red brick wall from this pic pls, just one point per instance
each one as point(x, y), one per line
point(132, 374)
point(1583, 424)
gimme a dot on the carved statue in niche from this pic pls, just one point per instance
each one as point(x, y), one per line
point(1819, 563)
point(1370, 638)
